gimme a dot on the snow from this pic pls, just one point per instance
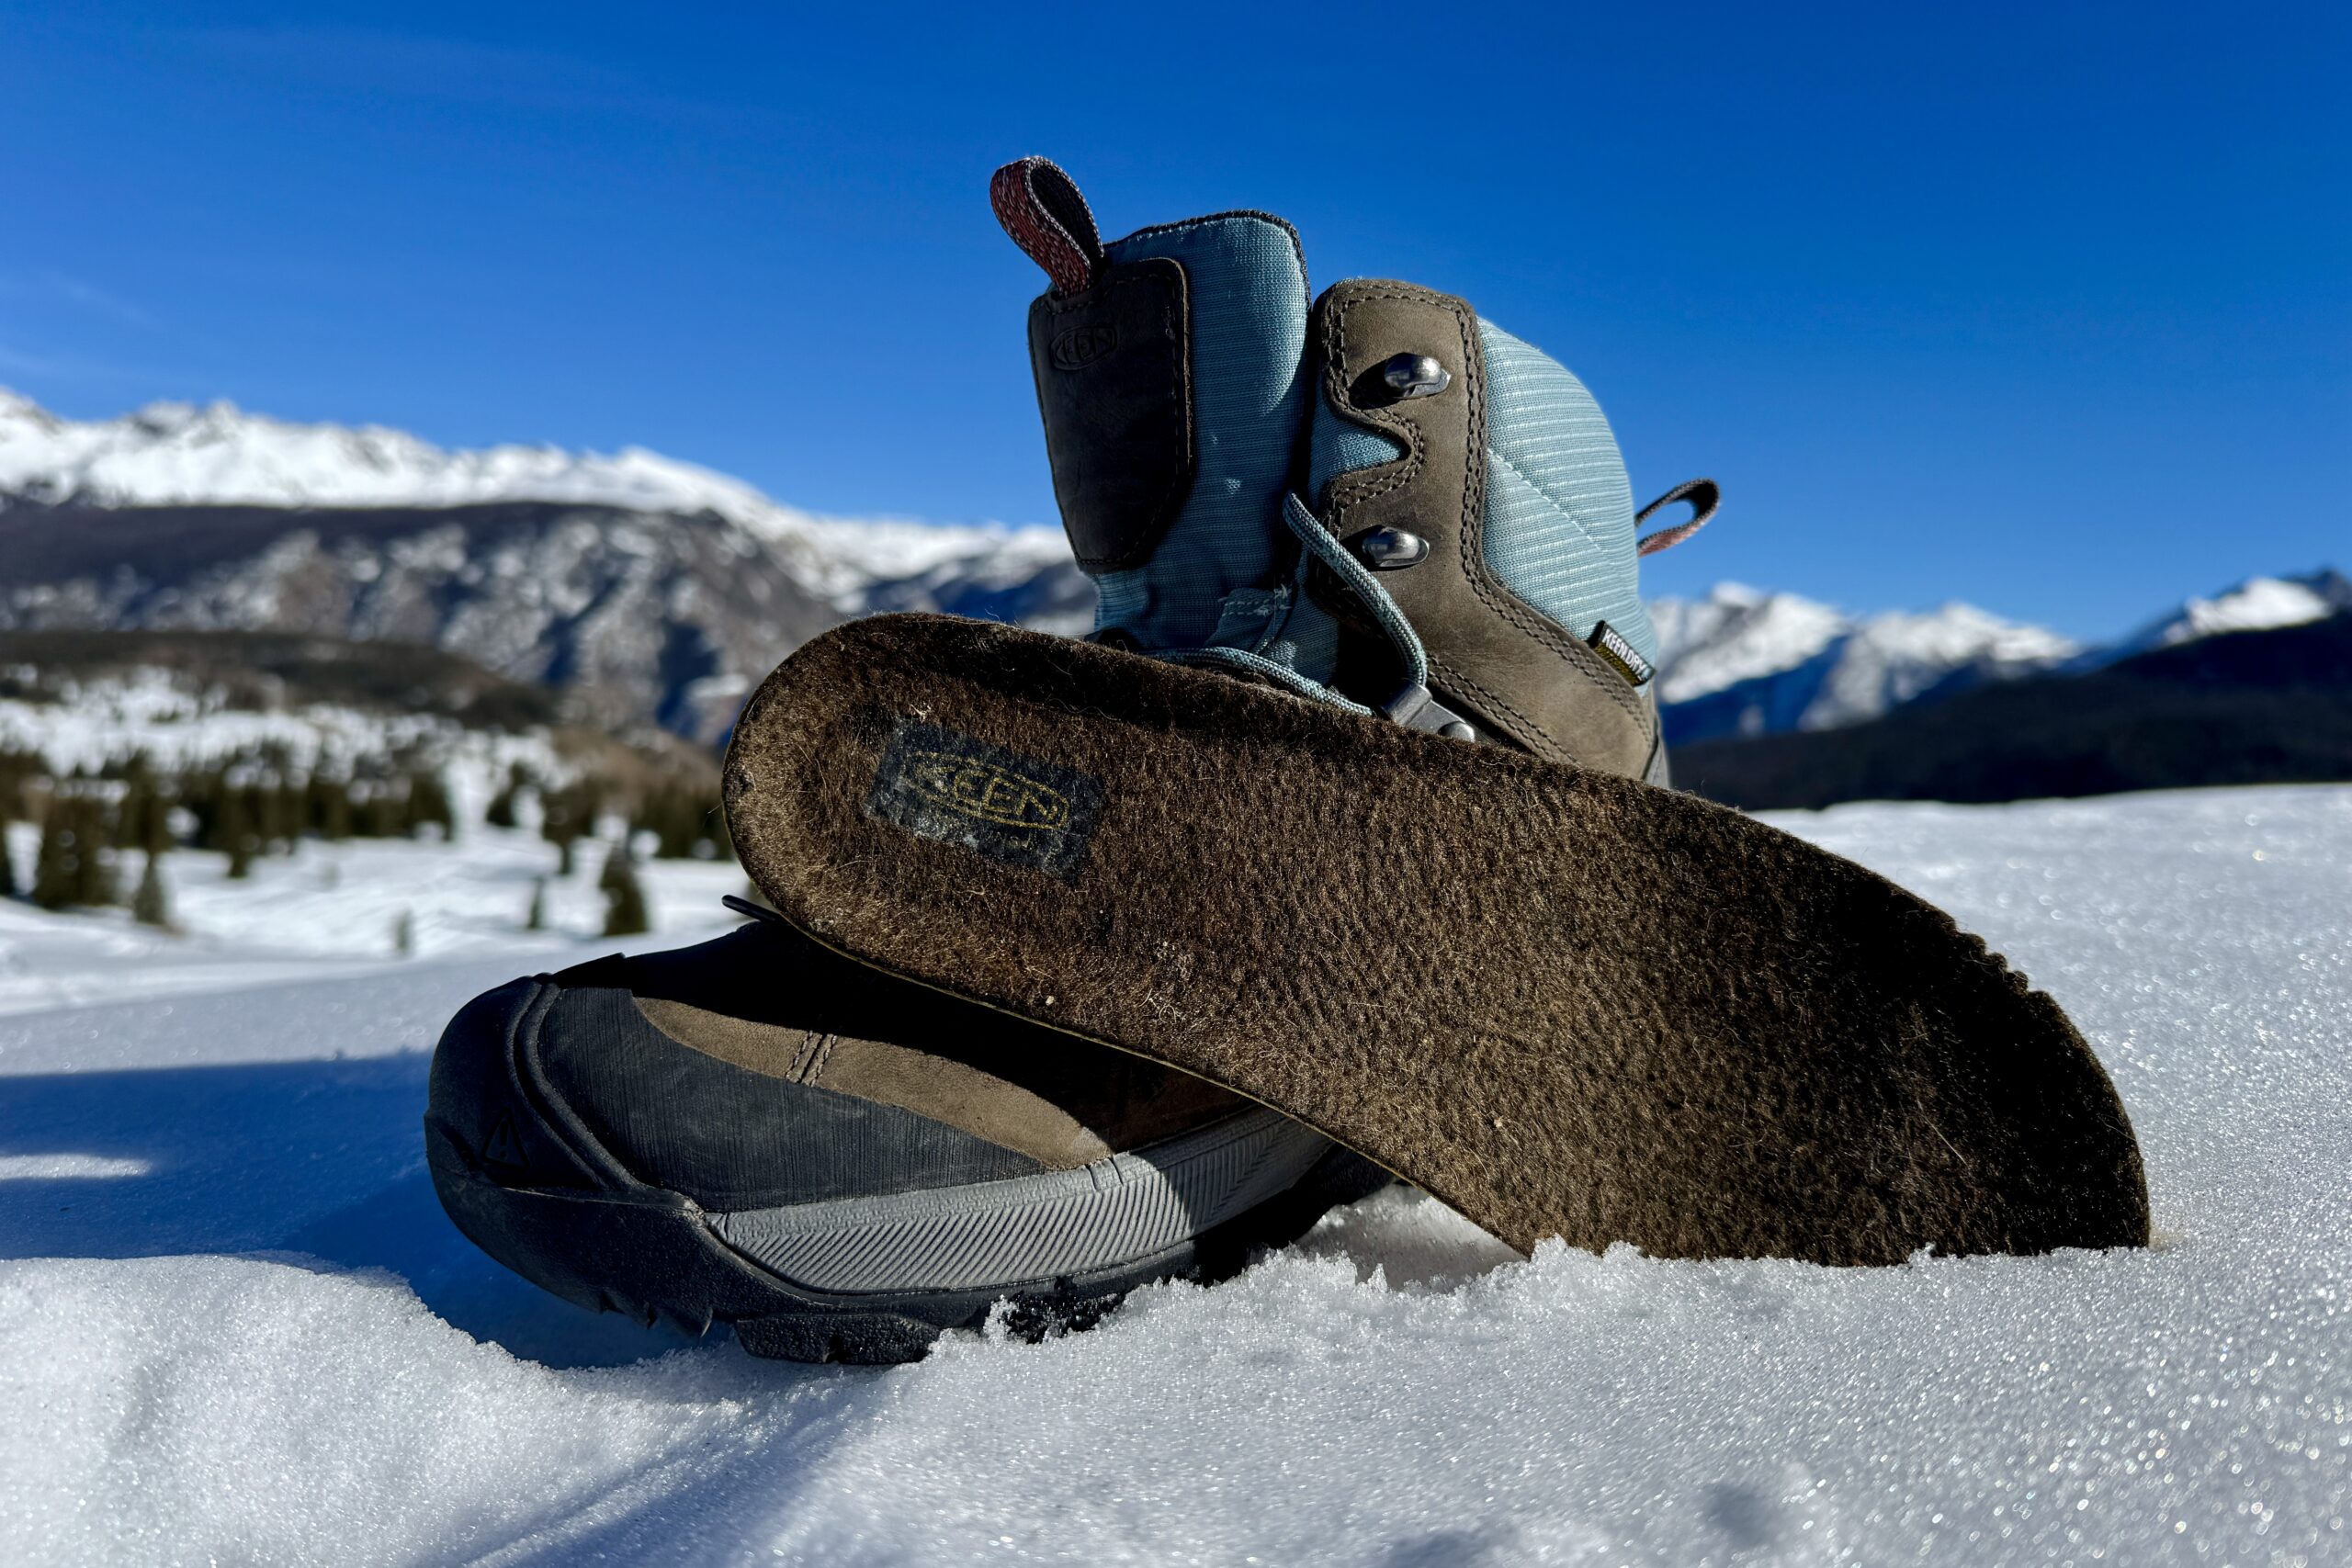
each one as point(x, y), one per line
point(156, 712)
point(333, 908)
point(1893, 658)
point(865, 553)
point(236, 1327)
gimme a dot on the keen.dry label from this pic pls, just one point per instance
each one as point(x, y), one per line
point(965, 792)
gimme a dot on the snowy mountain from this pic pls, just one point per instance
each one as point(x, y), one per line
point(2268, 706)
point(1745, 662)
point(653, 588)
point(178, 454)
point(2258, 603)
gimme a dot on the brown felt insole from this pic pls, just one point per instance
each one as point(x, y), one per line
point(1564, 1003)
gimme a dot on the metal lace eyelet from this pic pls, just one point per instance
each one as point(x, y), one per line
point(1415, 376)
point(1389, 550)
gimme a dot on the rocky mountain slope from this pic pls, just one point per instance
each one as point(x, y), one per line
point(648, 590)
point(1743, 662)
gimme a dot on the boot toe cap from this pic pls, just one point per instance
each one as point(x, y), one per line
point(564, 1081)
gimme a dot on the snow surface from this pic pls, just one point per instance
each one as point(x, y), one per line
point(335, 909)
point(237, 1328)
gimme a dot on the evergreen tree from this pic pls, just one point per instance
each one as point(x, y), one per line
point(155, 834)
point(151, 905)
point(428, 805)
point(672, 814)
point(330, 807)
point(625, 911)
point(94, 883)
point(53, 862)
point(382, 814)
point(132, 814)
point(277, 814)
point(500, 813)
point(71, 867)
point(235, 829)
point(570, 813)
point(200, 795)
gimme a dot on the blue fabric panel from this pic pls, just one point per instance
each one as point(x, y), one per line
point(1247, 289)
point(1335, 446)
point(1559, 523)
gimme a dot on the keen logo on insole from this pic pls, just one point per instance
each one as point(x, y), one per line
point(962, 790)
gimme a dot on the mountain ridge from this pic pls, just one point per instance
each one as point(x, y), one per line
point(661, 589)
point(2262, 706)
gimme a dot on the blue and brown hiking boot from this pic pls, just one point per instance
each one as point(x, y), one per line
point(758, 1130)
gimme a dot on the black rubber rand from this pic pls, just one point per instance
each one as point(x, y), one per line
point(651, 1254)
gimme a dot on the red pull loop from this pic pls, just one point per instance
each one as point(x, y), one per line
point(1040, 206)
point(1704, 496)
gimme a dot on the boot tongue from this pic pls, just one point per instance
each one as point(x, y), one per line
point(1171, 375)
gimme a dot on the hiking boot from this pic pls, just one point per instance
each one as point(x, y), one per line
point(1458, 546)
point(756, 1130)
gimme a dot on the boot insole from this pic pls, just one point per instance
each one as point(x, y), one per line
point(1566, 1004)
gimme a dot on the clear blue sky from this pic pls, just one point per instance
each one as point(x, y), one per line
point(2048, 308)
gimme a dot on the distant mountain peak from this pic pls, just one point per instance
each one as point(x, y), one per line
point(1745, 660)
point(216, 454)
point(181, 454)
point(2258, 603)
point(662, 589)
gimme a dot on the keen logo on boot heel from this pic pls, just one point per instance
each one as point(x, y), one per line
point(965, 792)
point(1623, 656)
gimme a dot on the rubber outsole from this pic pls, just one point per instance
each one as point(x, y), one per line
point(977, 1234)
point(1566, 1004)
point(653, 1256)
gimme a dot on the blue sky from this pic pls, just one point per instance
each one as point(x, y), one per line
point(2047, 308)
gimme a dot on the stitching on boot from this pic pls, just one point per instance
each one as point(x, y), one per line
point(821, 1051)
